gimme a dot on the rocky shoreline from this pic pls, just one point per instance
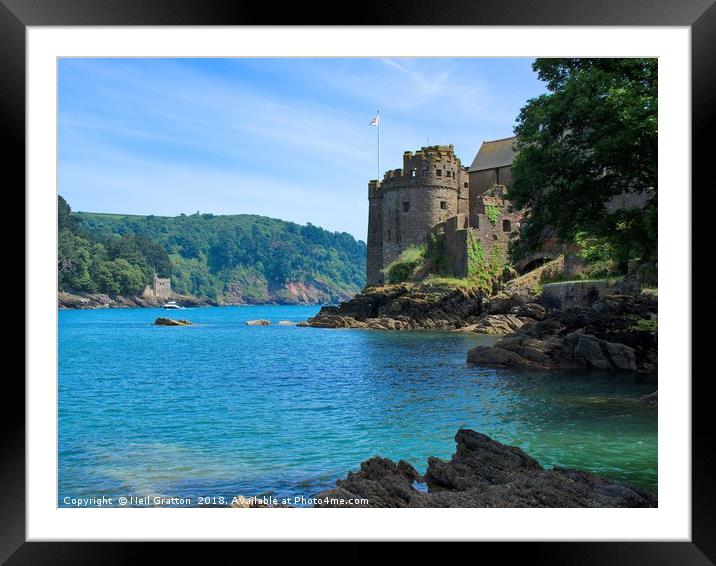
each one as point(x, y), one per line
point(104, 301)
point(481, 473)
point(609, 335)
point(403, 307)
point(616, 332)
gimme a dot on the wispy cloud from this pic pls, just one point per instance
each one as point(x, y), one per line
point(283, 137)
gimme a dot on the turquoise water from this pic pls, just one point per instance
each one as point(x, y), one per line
point(221, 408)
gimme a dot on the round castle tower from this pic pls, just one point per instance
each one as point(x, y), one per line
point(430, 188)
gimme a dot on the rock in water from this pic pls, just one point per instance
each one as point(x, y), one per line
point(403, 307)
point(286, 323)
point(481, 473)
point(162, 321)
point(260, 322)
point(599, 338)
point(650, 400)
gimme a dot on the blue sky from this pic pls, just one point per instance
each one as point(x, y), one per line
point(286, 138)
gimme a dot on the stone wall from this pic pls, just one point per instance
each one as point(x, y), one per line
point(506, 225)
point(481, 181)
point(463, 184)
point(424, 193)
point(455, 244)
point(578, 293)
point(374, 260)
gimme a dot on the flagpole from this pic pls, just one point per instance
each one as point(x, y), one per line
point(378, 114)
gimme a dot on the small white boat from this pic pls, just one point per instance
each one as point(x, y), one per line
point(172, 305)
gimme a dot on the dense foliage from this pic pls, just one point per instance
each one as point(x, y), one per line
point(119, 264)
point(580, 147)
point(215, 256)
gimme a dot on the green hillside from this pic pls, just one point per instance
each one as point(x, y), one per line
point(225, 258)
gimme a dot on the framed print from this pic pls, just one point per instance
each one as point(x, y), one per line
point(404, 277)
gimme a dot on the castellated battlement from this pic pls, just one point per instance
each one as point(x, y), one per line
point(432, 165)
point(431, 187)
point(432, 191)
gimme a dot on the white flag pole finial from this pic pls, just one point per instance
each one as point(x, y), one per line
point(376, 122)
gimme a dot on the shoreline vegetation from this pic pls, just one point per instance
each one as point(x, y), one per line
point(108, 260)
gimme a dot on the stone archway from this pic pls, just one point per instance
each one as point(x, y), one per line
point(535, 260)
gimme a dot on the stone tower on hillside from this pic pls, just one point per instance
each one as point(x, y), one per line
point(431, 187)
point(161, 287)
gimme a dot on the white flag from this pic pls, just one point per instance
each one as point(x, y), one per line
point(375, 121)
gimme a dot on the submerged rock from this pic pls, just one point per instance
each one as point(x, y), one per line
point(162, 321)
point(650, 400)
point(260, 322)
point(481, 473)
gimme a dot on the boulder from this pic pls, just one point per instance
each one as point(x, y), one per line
point(481, 473)
point(588, 353)
point(534, 311)
point(498, 324)
point(573, 351)
point(384, 323)
point(333, 321)
point(500, 357)
point(286, 323)
point(163, 321)
point(259, 322)
point(621, 356)
point(650, 400)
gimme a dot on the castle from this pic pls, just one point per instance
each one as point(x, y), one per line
point(434, 192)
point(161, 287)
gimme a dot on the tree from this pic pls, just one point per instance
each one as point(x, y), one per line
point(64, 215)
point(129, 278)
point(73, 262)
point(591, 139)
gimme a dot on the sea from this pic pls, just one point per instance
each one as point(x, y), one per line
point(197, 415)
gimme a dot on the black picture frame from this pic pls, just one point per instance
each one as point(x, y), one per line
point(699, 15)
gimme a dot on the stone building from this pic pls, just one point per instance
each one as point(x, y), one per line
point(161, 287)
point(433, 191)
point(492, 164)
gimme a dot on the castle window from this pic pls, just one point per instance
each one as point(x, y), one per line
point(465, 185)
point(443, 205)
point(506, 226)
point(412, 173)
point(406, 206)
point(424, 172)
point(388, 235)
point(439, 172)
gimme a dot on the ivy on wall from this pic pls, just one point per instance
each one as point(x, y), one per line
point(493, 213)
point(482, 267)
